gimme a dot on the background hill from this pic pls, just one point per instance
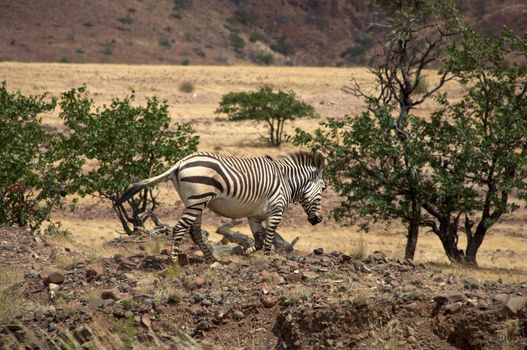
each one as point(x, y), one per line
point(292, 32)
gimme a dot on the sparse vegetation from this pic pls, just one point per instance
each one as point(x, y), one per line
point(237, 42)
point(283, 45)
point(108, 47)
point(266, 59)
point(165, 42)
point(186, 87)
point(185, 62)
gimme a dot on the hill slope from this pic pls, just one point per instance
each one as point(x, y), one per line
point(298, 32)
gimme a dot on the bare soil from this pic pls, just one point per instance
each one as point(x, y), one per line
point(297, 301)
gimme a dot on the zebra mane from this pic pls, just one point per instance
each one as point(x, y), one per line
point(305, 158)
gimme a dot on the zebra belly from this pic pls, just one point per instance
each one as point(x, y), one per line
point(233, 208)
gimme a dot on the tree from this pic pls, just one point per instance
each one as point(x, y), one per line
point(37, 168)
point(124, 143)
point(379, 168)
point(275, 108)
point(481, 153)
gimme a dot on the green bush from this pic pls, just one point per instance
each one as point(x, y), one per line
point(283, 45)
point(266, 59)
point(125, 143)
point(237, 42)
point(38, 169)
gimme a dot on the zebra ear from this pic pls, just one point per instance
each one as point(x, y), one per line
point(319, 160)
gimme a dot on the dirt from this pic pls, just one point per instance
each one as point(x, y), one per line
point(295, 301)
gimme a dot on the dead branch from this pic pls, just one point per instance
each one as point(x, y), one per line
point(245, 241)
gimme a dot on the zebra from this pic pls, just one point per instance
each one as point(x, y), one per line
point(259, 188)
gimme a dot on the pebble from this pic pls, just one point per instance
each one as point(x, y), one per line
point(268, 301)
point(318, 251)
point(203, 326)
point(237, 315)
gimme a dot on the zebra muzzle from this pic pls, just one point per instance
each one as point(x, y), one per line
point(316, 219)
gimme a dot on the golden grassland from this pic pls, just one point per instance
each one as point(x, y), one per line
point(503, 254)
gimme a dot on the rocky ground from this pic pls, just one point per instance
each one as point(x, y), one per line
point(65, 299)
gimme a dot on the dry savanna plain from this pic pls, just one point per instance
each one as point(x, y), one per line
point(503, 254)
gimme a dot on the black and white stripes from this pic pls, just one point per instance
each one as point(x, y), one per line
point(259, 188)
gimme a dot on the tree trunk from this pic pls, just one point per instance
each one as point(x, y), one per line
point(413, 230)
point(473, 244)
point(448, 237)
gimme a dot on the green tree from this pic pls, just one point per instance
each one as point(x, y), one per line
point(37, 168)
point(379, 166)
point(124, 143)
point(481, 155)
point(274, 108)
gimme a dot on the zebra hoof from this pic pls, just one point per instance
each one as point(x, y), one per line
point(250, 250)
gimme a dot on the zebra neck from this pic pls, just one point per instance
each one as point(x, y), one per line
point(295, 180)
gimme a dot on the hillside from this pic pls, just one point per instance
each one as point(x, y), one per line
point(293, 32)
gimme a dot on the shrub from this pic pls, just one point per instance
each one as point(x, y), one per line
point(186, 86)
point(38, 170)
point(266, 59)
point(125, 144)
point(237, 42)
point(185, 62)
point(283, 45)
point(165, 42)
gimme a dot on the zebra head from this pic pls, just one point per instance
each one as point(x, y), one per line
point(312, 192)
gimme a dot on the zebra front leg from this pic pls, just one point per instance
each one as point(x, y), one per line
point(255, 223)
point(272, 223)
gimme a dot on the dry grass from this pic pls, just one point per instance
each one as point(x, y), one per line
point(10, 300)
point(503, 254)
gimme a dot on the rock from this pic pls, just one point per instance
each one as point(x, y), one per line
point(456, 298)
point(216, 265)
point(129, 315)
point(268, 301)
point(470, 283)
point(83, 334)
point(404, 268)
point(412, 339)
point(410, 307)
point(454, 307)
point(146, 322)
point(515, 303)
point(53, 288)
point(93, 270)
point(502, 297)
point(277, 279)
point(293, 277)
point(52, 326)
point(199, 281)
point(198, 254)
point(113, 294)
point(219, 315)
point(318, 251)
point(203, 326)
point(52, 276)
point(309, 275)
point(206, 302)
point(32, 274)
point(237, 315)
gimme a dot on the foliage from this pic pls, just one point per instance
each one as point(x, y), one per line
point(378, 161)
point(124, 144)
point(266, 59)
point(481, 157)
point(362, 43)
point(283, 45)
point(237, 42)
point(37, 168)
point(275, 108)
point(186, 86)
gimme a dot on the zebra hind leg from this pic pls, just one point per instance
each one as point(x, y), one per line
point(197, 237)
point(258, 232)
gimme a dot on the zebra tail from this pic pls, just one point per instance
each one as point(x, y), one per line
point(132, 190)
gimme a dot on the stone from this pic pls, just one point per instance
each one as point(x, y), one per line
point(277, 279)
point(53, 288)
point(268, 301)
point(293, 277)
point(411, 307)
point(203, 326)
point(52, 326)
point(83, 334)
point(470, 283)
point(412, 339)
point(199, 281)
point(216, 265)
point(146, 322)
point(93, 270)
point(515, 303)
point(454, 307)
point(318, 251)
point(52, 276)
point(237, 315)
point(129, 315)
point(206, 302)
point(309, 275)
point(113, 294)
point(502, 297)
